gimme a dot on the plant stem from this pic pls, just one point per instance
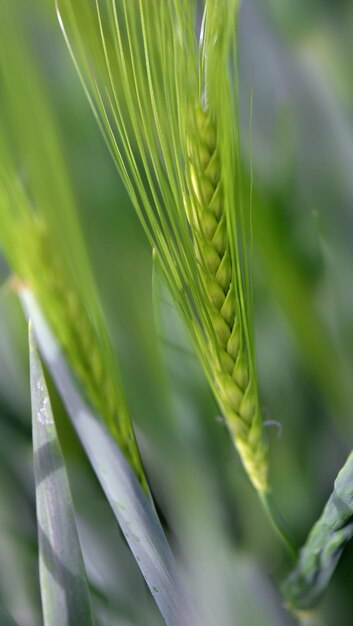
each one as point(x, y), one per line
point(279, 525)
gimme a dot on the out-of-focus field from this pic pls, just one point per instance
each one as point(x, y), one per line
point(295, 58)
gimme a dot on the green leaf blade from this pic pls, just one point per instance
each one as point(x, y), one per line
point(325, 544)
point(64, 588)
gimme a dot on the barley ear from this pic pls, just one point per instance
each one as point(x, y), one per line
point(234, 379)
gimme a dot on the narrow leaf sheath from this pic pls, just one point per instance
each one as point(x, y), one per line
point(64, 589)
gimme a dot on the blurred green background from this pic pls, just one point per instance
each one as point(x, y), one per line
point(295, 58)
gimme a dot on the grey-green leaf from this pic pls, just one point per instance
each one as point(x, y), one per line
point(326, 541)
point(133, 509)
point(64, 590)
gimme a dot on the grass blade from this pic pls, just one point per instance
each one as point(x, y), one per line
point(131, 506)
point(64, 589)
point(327, 539)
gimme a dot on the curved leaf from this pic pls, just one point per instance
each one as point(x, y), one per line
point(64, 589)
point(327, 539)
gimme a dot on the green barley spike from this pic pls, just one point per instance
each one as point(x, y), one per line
point(234, 380)
point(143, 70)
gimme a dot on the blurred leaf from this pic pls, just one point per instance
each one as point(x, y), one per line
point(64, 589)
point(19, 584)
point(6, 619)
point(26, 152)
point(327, 539)
point(292, 289)
point(133, 509)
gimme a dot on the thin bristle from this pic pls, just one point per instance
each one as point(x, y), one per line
point(164, 101)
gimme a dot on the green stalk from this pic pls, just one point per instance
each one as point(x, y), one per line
point(279, 525)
